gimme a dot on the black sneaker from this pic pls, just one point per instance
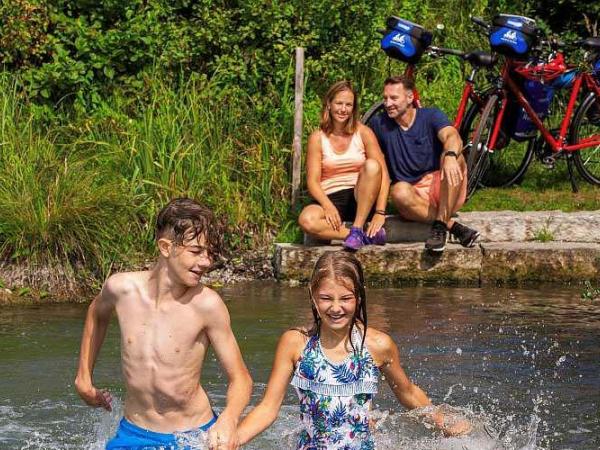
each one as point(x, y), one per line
point(463, 234)
point(436, 242)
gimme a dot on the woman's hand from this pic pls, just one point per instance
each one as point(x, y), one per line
point(332, 216)
point(375, 225)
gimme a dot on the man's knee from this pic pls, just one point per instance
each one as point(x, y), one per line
point(403, 194)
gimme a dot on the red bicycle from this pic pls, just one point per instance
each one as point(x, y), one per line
point(408, 42)
point(520, 101)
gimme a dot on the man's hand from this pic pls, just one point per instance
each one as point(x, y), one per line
point(223, 435)
point(375, 225)
point(94, 397)
point(451, 171)
point(332, 216)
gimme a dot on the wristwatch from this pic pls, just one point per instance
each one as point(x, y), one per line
point(450, 153)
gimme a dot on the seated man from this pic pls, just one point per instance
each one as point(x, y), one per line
point(423, 155)
point(168, 319)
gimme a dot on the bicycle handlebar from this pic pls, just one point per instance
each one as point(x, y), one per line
point(479, 21)
point(445, 51)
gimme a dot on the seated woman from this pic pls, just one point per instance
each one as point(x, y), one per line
point(346, 175)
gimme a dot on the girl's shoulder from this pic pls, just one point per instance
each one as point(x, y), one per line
point(294, 340)
point(380, 345)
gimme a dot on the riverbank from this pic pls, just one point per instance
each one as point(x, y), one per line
point(41, 284)
point(515, 248)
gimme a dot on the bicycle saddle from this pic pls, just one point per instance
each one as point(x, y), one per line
point(481, 59)
point(591, 43)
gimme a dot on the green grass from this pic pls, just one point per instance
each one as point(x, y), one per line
point(541, 189)
point(82, 188)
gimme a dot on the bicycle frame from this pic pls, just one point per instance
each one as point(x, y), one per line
point(468, 93)
point(558, 144)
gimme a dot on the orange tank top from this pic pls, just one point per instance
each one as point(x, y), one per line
point(340, 170)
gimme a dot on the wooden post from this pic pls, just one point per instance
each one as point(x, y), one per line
point(298, 111)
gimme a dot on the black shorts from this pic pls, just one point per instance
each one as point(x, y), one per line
point(344, 202)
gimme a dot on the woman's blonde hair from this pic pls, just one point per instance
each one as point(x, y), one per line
point(326, 120)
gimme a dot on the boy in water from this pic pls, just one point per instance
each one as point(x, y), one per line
point(167, 320)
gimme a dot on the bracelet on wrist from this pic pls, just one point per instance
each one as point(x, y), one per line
point(381, 212)
point(451, 153)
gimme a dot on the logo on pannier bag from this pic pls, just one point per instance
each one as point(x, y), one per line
point(400, 39)
point(510, 36)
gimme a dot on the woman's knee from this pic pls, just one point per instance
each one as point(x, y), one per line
point(308, 219)
point(371, 167)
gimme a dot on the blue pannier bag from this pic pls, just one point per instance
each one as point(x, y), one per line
point(405, 40)
point(513, 36)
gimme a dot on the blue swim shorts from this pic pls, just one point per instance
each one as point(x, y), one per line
point(132, 437)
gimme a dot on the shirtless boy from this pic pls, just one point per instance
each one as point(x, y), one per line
point(167, 320)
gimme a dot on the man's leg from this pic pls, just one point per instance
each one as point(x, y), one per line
point(450, 196)
point(410, 204)
point(451, 199)
point(312, 221)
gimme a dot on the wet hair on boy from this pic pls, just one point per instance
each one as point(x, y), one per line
point(184, 220)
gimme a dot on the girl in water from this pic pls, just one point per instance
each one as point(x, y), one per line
point(335, 366)
point(346, 175)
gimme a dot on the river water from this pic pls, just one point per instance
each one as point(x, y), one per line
point(521, 364)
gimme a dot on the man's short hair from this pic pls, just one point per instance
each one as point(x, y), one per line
point(407, 82)
point(184, 219)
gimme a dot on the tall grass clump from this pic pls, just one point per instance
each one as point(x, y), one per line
point(57, 205)
point(199, 139)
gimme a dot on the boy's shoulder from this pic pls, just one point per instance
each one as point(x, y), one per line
point(123, 283)
point(208, 303)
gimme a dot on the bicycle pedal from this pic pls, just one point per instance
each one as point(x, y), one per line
point(548, 160)
point(548, 165)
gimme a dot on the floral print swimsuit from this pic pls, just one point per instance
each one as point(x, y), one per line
point(335, 399)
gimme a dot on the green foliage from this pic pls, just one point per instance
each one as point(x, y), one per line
point(590, 292)
point(111, 108)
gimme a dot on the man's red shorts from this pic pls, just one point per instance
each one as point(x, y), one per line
point(428, 188)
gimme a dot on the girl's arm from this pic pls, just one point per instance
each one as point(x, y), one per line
point(260, 418)
point(386, 354)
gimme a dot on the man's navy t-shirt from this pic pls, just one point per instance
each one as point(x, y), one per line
point(410, 154)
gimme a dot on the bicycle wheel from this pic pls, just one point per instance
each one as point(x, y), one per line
point(374, 110)
point(585, 125)
point(478, 154)
point(507, 165)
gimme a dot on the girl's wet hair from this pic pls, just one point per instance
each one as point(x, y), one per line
point(185, 220)
point(342, 267)
point(326, 120)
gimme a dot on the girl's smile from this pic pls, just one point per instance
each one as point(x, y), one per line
point(335, 303)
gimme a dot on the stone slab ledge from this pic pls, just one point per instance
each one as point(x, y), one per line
point(505, 226)
point(515, 262)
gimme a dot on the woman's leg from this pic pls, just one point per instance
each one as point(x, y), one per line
point(366, 191)
point(312, 221)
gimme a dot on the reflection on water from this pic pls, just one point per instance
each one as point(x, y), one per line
point(521, 364)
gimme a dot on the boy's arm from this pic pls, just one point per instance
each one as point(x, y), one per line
point(218, 328)
point(267, 410)
point(94, 331)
